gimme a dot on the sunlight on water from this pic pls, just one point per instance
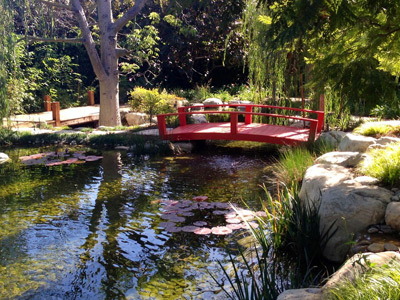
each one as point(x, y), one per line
point(91, 231)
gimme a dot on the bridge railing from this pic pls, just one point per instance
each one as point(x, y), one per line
point(315, 124)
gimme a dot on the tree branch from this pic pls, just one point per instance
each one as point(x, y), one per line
point(88, 40)
point(122, 52)
point(129, 15)
point(54, 40)
point(56, 4)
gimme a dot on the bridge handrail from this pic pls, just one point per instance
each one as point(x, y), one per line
point(315, 124)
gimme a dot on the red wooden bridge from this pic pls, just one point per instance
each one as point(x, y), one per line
point(291, 134)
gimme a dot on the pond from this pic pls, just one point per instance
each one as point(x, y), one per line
point(92, 230)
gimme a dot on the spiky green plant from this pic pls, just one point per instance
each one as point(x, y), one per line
point(383, 164)
point(379, 282)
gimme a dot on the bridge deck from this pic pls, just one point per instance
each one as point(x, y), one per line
point(246, 132)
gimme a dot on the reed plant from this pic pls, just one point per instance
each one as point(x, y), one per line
point(379, 282)
point(287, 252)
point(383, 164)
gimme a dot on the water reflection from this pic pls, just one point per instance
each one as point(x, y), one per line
point(91, 230)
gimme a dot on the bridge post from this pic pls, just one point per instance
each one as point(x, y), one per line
point(55, 108)
point(313, 129)
point(162, 126)
point(234, 122)
point(182, 117)
point(248, 117)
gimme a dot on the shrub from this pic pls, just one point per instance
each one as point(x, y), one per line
point(376, 129)
point(379, 282)
point(152, 101)
point(383, 164)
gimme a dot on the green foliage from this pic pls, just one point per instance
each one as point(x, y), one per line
point(383, 164)
point(152, 101)
point(287, 253)
point(378, 282)
point(292, 164)
point(376, 129)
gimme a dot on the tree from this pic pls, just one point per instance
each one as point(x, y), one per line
point(96, 24)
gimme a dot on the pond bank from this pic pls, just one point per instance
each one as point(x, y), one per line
point(356, 206)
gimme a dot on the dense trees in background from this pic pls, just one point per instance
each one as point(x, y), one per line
point(348, 50)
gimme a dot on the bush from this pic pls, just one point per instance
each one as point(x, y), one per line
point(152, 101)
point(383, 164)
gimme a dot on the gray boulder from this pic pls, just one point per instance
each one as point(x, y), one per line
point(387, 140)
point(198, 119)
point(301, 294)
point(351, 207)
point(3, 157)
point(345, 159)
point(213, 101)
point(136, 118)
point(392, 216)
point(356, 143)
point(332, 137)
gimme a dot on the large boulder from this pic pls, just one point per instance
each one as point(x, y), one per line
point(320, 177)
point(348, 208)
point(198, 119)
point(387, 140)
point(332, 137)
point(392, 216)
point(345, 159)
point(136, 118)
point(3, 157)
point(356, 143)
point(213, 101)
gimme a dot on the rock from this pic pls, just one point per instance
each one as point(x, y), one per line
point(385, 229)
point(394, 190)
point(376, 247)
point(373, 230)
point(301, 294)
point(124, 148)
point(345, 159)
point(136, 118)
point(3, 157)
point(240, 108)
point(387, 140)
point(375, 146)
point(356, 143)
point(390, 247)
point(352, 207)
point(198, 119)
point(366, 180)
point(182, 147)
point(332, 137)
point(213, 101)
point(357, 265)
point(395, 198)
point(318, 178)
point(392, 216)
point(197, 107)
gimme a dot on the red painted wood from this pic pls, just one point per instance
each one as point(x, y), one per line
point(247, 131)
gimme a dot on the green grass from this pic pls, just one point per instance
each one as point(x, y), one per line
point(376, 129)
point(292, 164)
point(377, 283)
point(383, 164)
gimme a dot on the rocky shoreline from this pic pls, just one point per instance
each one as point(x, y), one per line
point(355, 208)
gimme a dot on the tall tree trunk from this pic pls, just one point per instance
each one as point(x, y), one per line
point(109, 101)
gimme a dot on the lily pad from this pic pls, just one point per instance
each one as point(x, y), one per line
point(200, 198)
point(200, 223)
point(202, 231)
point(234, 226)
point(221, 230)
point(233, 221)
point(189, 228)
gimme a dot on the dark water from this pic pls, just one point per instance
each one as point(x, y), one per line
point(90, 231)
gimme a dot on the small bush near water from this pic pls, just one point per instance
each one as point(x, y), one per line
point(377, 283)
point(287, 253)
point(377, 129)
point(383, 164)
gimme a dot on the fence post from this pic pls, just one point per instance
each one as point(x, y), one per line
point(90, 97)
point(234, 122)
point(162, 127)
point(47, 103)
point(55, 108)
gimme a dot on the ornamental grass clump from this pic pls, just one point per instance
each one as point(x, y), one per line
point(377, 129)
point(379, 282)
point(383, 164)
point(292, 164)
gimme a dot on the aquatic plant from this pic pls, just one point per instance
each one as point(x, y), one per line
point(287, 252)
point(56, 158)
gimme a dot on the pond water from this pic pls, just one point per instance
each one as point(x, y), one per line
point(91, 230)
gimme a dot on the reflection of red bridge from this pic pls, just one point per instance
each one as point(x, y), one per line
point(247, 130)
